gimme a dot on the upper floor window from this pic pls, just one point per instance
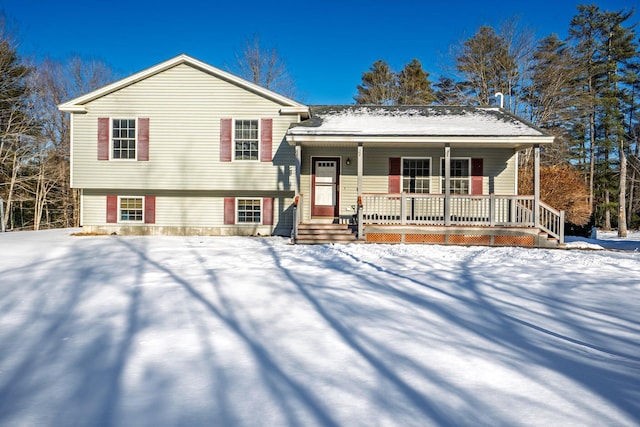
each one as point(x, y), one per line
point(123, 138)
point(416, 175)
point(246, 140)
point(460, 176)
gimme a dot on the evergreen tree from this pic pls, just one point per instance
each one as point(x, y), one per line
point(447, 91)
point(605, 49)
point(414, 87)
point(487, 65)
point(583, 33)
point(379, 86)
point(551, 96)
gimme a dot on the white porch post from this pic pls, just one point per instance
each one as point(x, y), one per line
point(360, 165)
point(297, 205)
point(298, 164)
point(447, 187)
point(536, 186)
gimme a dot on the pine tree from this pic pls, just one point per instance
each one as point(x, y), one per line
point(379, 86)
point(487, 65)
point(414, 86)
point(619, 47)
point(583, 33)
point(448, 91)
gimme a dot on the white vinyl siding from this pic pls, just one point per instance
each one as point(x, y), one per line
point(184, 106)
point(188, 209)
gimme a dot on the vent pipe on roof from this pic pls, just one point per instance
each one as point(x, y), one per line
point(501, 95)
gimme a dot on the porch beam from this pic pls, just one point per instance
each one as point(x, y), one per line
point(447, 187)
point(536, 186)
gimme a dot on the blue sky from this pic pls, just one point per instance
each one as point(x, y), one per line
point(327, 44)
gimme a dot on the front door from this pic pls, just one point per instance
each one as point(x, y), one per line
point(324, 187)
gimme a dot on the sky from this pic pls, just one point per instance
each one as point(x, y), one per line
point(326, 44)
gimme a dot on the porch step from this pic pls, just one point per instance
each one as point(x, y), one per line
point(317, 234)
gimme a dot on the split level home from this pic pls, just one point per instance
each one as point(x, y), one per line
point(186, 148)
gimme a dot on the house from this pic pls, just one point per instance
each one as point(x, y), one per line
point(183, 148)
point(186, 148)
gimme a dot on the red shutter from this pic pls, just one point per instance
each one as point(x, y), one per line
point(229, 210)
point(476, 176)
point(112, 209)
point(149, 209)
point(143, 139)
point(103, 138)
point(267, 211)
point(225, 140)
point(394, 175)
point(266, 139)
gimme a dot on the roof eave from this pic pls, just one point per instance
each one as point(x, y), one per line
point(388, 140)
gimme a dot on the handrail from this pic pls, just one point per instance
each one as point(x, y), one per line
point(552, 221)
point(480, 210)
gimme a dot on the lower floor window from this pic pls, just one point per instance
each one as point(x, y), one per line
point(248, 211)
point(460, 175)
point(131, 209)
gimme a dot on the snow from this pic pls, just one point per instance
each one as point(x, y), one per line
point(238, 331)
point(379, 121)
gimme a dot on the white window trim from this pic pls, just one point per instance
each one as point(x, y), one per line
point(120, 220)
point(249, 223)
point(468, 159)
point(430, 171)
point(233, 141)
point(111, 158)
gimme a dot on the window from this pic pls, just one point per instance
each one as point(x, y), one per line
point(246, 140)
point(249, 211)
point(460, 176)
point(131, 209)
point(123, 138)
point(416, 175)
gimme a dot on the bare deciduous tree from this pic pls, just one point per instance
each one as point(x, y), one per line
point(264, 66)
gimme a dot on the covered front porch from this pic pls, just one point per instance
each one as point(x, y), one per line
point(418, 187)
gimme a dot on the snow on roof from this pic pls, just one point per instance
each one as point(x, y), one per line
point(414, 120)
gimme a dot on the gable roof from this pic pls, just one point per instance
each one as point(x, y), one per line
point(414, 120)
point(460, 125)
point(77, 105)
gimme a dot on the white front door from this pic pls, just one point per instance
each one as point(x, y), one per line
point(325, 187)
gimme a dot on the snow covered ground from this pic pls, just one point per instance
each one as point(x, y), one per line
point(231, 331)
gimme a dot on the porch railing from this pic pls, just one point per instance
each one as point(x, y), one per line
point(485, 210)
